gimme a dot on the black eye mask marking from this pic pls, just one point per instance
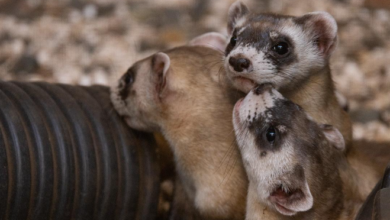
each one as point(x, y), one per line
point(281, 52)
point(127, 81)
point(232, 43)
point(265, 126)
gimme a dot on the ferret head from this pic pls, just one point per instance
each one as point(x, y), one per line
point(275, 49)
point(165, 86)
point(138, 93)
point(285, 153)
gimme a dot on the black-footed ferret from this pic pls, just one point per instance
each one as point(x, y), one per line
point(291, 53)
point(178, 92)
point(293, 163)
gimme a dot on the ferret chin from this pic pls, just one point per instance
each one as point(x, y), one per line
point(180, 93)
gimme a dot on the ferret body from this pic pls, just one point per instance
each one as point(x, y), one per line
point(292, 54)
point(296, 167)
point(180, 94)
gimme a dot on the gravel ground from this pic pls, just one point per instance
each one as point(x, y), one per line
point(94, 42)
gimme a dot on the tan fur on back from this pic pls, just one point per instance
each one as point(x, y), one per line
point(199, 128)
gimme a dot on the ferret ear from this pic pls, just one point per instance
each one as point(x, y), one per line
point(213, 40)
point(334, 136)
point(236, 15)
point(322, 29)
point(294, 196)
point(161, 66)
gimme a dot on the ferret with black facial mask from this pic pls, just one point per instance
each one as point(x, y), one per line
point(296, 167)
point(290, 53)
point(180, 94)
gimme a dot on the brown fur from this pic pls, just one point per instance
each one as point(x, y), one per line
point(194, 115)
point(317, 96)
point(198, 127)
point(167, 175)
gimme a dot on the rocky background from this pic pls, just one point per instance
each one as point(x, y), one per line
point(94, 42)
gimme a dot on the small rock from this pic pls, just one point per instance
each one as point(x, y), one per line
point(385, 117)
point(106, 10)
point(5, 37)
point(90, 11)
point(85, 80)
point(26, 64)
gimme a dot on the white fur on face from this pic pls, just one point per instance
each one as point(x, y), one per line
point(264, 71)
point(308, 55)
point(240, 22)
point(254, 106)
point(241, 30)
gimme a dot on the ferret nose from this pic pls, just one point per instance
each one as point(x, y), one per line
point(239, 64)
point(260, 89)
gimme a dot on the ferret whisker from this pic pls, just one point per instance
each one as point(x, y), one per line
point(227, 157)
point(288, 76)
point(239, 136)
point(228, 153)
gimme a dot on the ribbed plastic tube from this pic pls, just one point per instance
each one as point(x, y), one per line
point(376, 206)
point(66, 154)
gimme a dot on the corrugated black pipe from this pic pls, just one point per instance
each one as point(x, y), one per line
point(66, 154)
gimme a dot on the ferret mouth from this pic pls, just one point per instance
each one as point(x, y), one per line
point(280, 196)
point(284, 209)
point(244, 83)
point(279, 192)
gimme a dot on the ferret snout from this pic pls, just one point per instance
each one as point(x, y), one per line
point(240, 63)
point(257, 102)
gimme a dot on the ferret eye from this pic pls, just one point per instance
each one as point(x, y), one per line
point(233, 41)
point(271, 135)
point(128, 78)
point(281, 48)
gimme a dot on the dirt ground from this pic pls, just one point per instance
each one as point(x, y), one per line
point(94, 42)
